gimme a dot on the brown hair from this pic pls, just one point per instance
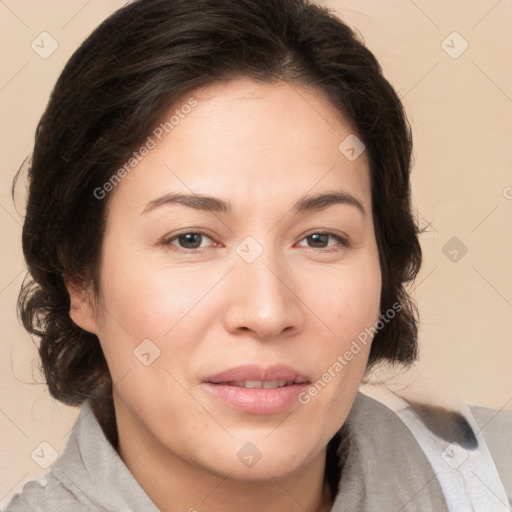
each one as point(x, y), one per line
point(110, 96)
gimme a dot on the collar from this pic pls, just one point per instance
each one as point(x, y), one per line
point(91, 468)
point(385, 468)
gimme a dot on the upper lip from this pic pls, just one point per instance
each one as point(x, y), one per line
point(257, 373)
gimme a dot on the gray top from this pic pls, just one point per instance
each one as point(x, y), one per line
point(386, 469)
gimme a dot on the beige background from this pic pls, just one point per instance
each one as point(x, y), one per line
point(460, 110)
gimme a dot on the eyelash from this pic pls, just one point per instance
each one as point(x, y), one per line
point(167, 242)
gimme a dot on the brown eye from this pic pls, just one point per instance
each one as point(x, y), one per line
point(320, 240)
point(187, 241)
point(190, 240)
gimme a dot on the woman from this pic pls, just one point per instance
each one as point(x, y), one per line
point(218, 234)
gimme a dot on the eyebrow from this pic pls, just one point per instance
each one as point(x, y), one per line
point(213, 204)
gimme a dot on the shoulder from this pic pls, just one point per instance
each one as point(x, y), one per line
point(45, 493)
point(385, 467)
point(60, 488)
point(382, 437)
point(465, 449)
point(88, 475)
point(496, 428)
point(20, 502)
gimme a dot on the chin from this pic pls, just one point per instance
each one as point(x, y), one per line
point(279, 467)
point(262, 459)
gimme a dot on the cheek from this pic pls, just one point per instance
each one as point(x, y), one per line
point(350, 301)
point(349, 305)
point(147, 327)
point(144, 300)
point(351, 309)
point(171, 307)
point(136, 304)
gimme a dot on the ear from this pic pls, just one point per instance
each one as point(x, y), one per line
point(82, 309)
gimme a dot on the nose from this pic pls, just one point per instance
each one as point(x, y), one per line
point(263, 299)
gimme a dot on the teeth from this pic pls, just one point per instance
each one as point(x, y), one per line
point(265, 384)
point(253, 384)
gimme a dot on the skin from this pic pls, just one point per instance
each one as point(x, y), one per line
point(262, 147)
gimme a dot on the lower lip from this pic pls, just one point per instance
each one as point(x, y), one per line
point(256, 401)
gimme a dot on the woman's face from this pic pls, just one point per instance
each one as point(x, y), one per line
point(217, 340)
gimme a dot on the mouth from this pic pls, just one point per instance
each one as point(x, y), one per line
point(263, 384)
point(257, 390)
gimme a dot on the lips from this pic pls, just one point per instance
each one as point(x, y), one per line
point(258, 374)
point(257, 390)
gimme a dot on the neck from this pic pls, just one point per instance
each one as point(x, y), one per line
point(173, 483)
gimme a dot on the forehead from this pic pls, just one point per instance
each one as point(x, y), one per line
point(253, 143)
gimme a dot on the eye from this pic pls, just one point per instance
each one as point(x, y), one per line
point(192, 241)
point(189, 241)
point(319, 239)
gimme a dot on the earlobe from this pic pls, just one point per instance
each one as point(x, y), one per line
point(82, 310)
